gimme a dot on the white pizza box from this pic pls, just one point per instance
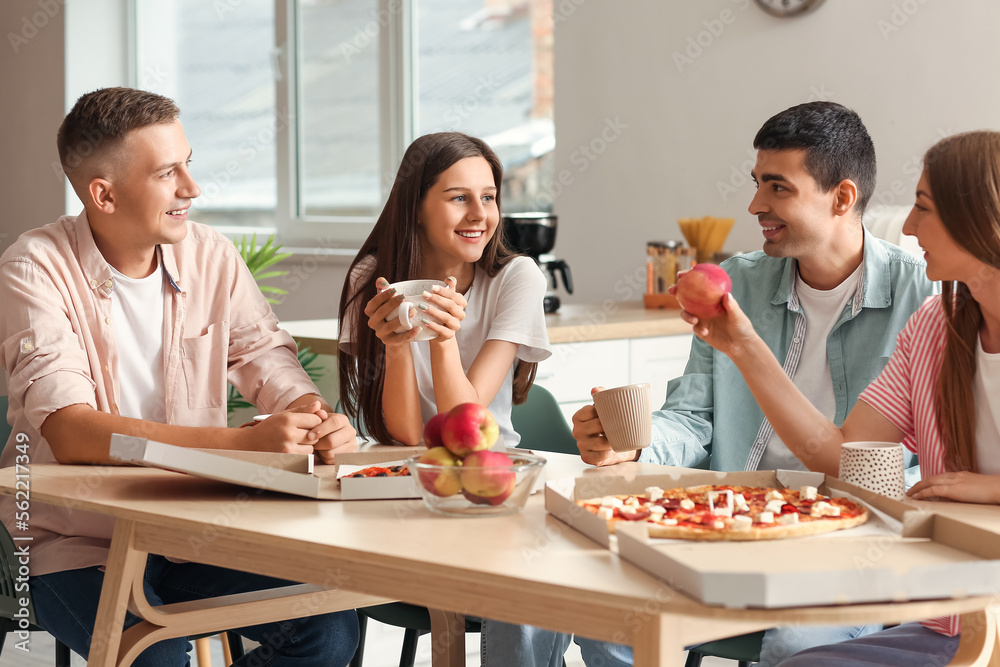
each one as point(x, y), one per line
point(285, 473)
point(902, 553)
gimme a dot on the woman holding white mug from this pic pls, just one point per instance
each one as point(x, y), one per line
point(441, 222)
point(939, 394)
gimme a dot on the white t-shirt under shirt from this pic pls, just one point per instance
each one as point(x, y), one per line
point(137, 320)
point(507, 307)
point(822, 310)
point(986, 392)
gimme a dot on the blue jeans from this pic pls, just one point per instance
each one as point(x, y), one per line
point(66, 606)
point(506, 645)
point(778, 644)
point(907, 645)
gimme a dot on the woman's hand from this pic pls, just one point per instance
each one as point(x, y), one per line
point(965, 487)
point(731, 333)
point(381, 306)
point(445, 312)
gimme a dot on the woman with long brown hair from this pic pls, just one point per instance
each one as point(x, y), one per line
point(441, 221)
point(939, 394)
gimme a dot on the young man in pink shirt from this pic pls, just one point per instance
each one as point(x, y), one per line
point(131, 319)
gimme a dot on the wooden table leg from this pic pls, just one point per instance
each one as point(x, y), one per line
point(658, 643)
point(125, 565)
point(447, 639)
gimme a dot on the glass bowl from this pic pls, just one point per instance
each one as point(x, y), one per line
point(504, 489)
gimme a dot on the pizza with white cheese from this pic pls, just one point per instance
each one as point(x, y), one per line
point(737, 513)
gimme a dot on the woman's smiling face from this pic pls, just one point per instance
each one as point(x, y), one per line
point(459, 214)
point(946, 259)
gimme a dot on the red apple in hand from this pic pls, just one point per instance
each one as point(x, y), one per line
point(469, 428)
point(441, 482)
point(700, 290)
point(432, 431)
point(487, 478)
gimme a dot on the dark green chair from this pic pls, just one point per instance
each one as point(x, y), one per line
point(541, 424)
point(745, 649)
point(542, 428)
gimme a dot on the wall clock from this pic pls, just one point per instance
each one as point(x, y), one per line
point(788, 8)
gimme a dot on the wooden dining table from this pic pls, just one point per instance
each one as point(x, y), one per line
point(527, 567)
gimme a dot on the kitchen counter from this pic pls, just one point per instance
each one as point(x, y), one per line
point(574, 323)
point(610, 320)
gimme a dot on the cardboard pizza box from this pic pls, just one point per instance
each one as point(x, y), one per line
point(295, 474)
point(902, 553)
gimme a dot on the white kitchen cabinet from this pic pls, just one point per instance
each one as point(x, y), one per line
point(658, 360)
point(574, 368)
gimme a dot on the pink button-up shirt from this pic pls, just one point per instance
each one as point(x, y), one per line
point(58, 349)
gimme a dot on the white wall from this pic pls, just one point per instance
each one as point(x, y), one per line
point(913, 69)
point(31, 108)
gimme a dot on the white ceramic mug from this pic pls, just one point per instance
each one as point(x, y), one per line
point(626, 416)
point(409, 310)
point(876, 466)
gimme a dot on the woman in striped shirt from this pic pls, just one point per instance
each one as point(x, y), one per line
point(939, 394)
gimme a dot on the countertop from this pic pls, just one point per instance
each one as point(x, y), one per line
point(574, 323)
point(578, 322)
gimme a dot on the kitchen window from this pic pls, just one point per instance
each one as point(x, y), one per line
point(298, 111)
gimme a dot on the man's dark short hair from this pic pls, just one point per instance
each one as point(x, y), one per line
point(836, 142)
point(100, 121)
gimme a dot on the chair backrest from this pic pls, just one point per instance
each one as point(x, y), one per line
point(541, 424)
point(5, 428)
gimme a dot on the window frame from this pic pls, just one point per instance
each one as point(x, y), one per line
point(396, 41)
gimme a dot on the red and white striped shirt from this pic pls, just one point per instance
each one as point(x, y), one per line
point(904, 394)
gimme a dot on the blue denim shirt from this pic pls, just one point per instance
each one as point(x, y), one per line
point(710, 412)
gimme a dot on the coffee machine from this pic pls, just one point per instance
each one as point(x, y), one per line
point(534, 234)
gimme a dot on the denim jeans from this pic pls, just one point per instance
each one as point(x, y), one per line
point(66, 606)
point(908, 645)
point(778, 644)
point(507, 645)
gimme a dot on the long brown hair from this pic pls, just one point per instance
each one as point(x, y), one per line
point(963, 172)
point(393, 251)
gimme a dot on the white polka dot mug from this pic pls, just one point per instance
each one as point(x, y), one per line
point(876, 466)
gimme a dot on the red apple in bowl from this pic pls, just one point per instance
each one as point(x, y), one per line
point(700, 290)
point(469, 428)
point(444, 481)
point(432, 430)
point(487, 477)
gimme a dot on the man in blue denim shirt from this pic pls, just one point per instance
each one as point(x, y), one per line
point(827, 297)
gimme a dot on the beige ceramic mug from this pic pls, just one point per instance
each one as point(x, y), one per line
point(876, 466)
point(409, 310)
point(626, 416)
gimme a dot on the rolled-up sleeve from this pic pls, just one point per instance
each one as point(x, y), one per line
point(46, 363)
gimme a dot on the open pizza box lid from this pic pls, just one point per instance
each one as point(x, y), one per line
point(295, 474)
point(902, 553)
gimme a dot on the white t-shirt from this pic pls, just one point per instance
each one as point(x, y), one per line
point(137, 320)
point(822, 310)
point(986, 392)
point(507, 307)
